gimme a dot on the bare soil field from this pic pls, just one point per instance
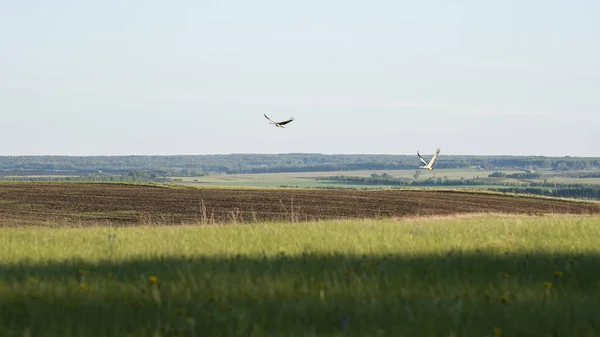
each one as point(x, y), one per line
point(122, 204)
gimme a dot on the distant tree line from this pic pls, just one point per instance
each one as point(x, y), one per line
point(385, 179)
point(523, 175)
point(196, 165)
point(581, 191)
point(132, 176)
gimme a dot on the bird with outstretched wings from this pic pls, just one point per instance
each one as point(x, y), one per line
point(278, 124)
point(429, 166)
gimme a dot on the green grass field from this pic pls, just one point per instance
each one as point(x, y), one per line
point(461, 276)
point(307, 179)
point(567, 180)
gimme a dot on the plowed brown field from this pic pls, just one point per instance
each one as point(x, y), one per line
point(121, 204)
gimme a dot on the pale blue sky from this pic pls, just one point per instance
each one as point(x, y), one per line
point(195, 77)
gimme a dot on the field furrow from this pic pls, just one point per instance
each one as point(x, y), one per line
point(122, 204)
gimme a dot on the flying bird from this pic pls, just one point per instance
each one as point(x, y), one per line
point(278, 124)
point(429, 165)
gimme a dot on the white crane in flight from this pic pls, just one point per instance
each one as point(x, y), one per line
point(429, 166)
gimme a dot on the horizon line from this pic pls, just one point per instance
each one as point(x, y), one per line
point(287, 153)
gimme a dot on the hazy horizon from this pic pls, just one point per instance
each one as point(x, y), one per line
point(194, 78)
point(423, 153)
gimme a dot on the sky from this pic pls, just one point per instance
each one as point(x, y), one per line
point(511, 77)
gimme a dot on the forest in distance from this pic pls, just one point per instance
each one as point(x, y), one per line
point(199, 165)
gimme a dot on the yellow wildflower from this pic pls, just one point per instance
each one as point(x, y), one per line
point(84, 286)
point(505, 299)
point(153, 279)
point(497, 331)
point(558, 274)
point(548, 285)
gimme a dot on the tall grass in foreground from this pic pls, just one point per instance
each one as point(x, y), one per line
point(472, 276)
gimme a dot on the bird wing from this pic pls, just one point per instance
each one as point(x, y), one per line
point(424, 162)
point(434, 157)
point(268, 118)
point(285, 122)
